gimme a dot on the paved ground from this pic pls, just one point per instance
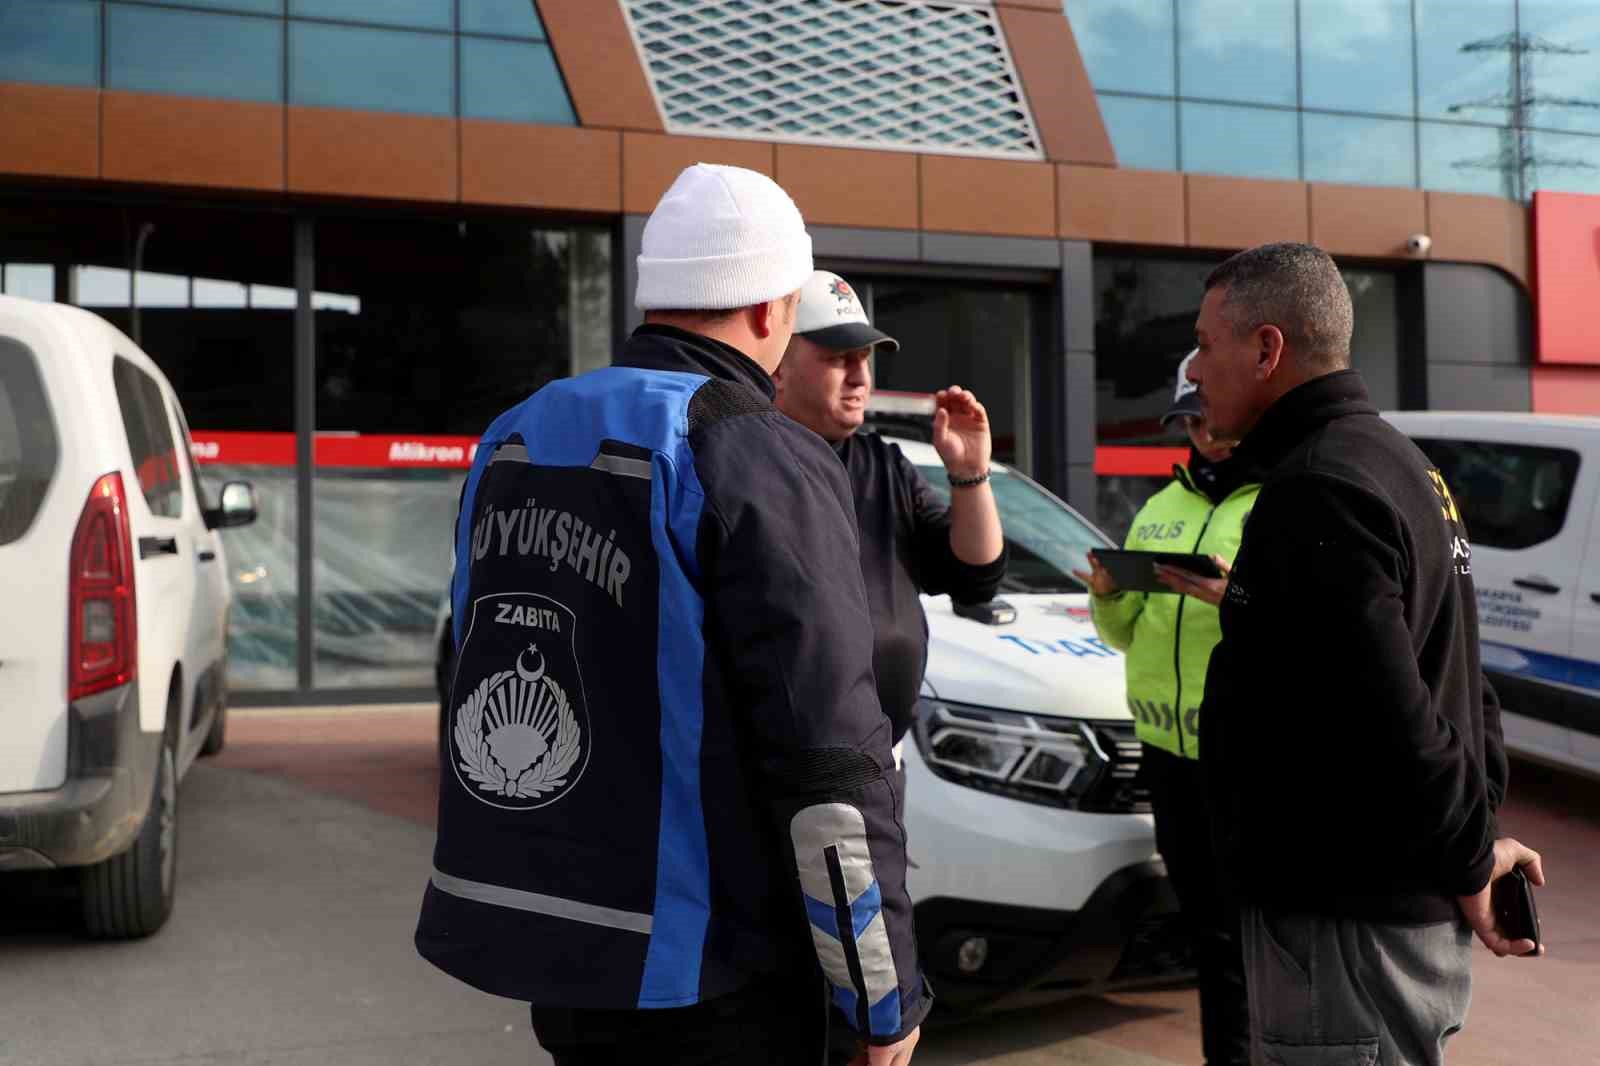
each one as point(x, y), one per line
point(304, 850)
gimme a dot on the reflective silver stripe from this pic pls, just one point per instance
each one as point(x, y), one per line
point(825, 825)
point(830, 952)
point(877, 960)
point(840, 826)
point(510, 453)
point(534, 902)
point(623, 466)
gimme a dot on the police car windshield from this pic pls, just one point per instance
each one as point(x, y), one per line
point(1044, 540)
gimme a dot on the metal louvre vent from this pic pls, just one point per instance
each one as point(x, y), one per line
point(913, 75)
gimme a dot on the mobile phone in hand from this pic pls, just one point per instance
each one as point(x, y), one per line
point(1514, 911)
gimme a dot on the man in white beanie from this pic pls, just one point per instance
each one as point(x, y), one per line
point(669, 795)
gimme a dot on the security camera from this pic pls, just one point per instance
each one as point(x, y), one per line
point(1419, 244)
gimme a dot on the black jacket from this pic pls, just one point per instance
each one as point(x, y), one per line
point(905, 554)
point(1351, 747)
point(668, 774)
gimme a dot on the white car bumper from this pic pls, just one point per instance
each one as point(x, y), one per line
point(1065, 902)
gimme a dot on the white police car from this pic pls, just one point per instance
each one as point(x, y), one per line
point(1528, 489)
point(1034, 867)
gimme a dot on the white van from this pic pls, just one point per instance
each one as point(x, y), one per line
point(1528, 489)
point(1033, 862)
point(114, 617)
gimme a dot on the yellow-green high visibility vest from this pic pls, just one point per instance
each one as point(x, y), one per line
point(1168, 638)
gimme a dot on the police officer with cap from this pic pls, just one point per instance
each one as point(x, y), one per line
point(913, 543)
point(1168, 638)
point(668, 814)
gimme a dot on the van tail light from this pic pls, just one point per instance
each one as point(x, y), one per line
point(102, 625)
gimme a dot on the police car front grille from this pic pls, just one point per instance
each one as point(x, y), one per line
point(1120, 790)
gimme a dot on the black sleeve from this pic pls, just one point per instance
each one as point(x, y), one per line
point(935, 565)
point(786, 614)
point(1496, 766)
point(1330, 554)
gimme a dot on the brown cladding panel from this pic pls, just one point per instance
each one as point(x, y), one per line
point(1065, 108)
point(1479, 229)
point(49, 130)
point(371, 153)
point(1238, 213)
point(1365, 220)
point(179, 140)
point(651, 162)
point(1121, 206)
point(846, 187)
point(600, 64)
point(555, 167)
point(989, 196)
point(1032, 5)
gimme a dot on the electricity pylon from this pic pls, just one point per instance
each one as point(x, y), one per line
point(1516, 161)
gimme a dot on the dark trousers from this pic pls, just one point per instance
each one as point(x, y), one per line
point(1183, 835)
point(775, 1020)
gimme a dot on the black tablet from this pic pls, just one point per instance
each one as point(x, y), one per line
point(1136, 571)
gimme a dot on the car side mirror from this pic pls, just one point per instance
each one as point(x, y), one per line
point(238, 507)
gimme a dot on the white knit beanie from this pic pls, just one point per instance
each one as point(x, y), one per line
point(720, 239)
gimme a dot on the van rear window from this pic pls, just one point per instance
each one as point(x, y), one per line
point(1510, 495)
point(29, 451)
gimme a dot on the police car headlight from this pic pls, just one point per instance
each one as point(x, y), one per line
point(1056, 761)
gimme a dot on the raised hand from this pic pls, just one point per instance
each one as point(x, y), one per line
point(961, 432)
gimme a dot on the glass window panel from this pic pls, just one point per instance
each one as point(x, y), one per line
point(56, 42)
point(1247, 142)
point(160, 290)
point(1375, 344)
point(1226, 54)
point(980, 337)
point(378, 70)
point(1356, 60)
point(1144, 132)
point(1360, 151)
point(1458, 65)
point(1473, 159)
point(1126, 44)
point(272, 297)
point(514, 18)
point(194, 53)
point(263, 568)
point(209, 292)
point(33, 281)
point(455, 324)
point(513, 81)
point(101, 287)
point(1564, 79)
point(422, 14)
point(1145, 310)
point(1564, 162)
point(259, 7)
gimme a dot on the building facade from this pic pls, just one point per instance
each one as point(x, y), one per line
point(351, 231)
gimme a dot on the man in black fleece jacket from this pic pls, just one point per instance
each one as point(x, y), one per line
point(1351, 747)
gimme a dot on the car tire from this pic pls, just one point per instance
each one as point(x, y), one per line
point(131, 894)
point(217, 735)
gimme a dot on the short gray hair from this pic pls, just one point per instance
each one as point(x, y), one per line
point(1296, 287)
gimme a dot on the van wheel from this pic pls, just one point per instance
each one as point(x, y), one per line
point(217, 736)
point(130, 895)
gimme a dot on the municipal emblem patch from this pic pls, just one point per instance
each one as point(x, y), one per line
point(519, 738)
